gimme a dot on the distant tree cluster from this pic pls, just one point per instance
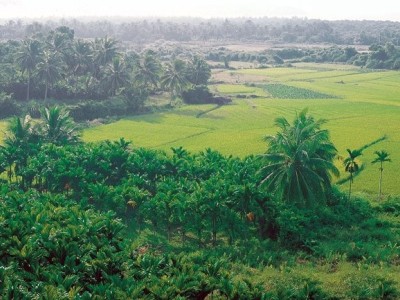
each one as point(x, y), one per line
point(377, 57)
point(295, 30)
point(57, 65)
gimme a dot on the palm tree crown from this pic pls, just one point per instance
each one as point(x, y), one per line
point(147, 70)
point(57, 126)
point(299, 160)
point(381, 157)
point(174, 78)
point(115, 75)
point(351, 165)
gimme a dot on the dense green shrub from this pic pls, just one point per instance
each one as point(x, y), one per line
point(91, 109)
point(392, 206)
point(198, 94)
point(366, 285)
point(294, 286)
point(8, 106)
point(53, 248)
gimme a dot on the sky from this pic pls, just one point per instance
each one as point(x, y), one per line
point(318, 9)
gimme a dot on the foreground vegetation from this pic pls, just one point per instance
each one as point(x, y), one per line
point(110, 220)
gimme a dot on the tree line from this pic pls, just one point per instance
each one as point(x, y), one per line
point(377, 56)
point(59, 66)
point(281, 30)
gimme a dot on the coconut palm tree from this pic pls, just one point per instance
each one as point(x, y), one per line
point(83, 57)
point(381, 157)
point(105, 49)
point(198, 71)
point(19, 143)
point(147, 70)
point(49, 69)
point(115, 76)
point(174, 79)
point(351, 165)
point(27, 58)
point(57, 126)
point(299, 160)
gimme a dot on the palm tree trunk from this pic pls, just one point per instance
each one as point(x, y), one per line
point(10, 173)
point(351, 181)
point(45, 92)
point(28, 87)
point(380, 181)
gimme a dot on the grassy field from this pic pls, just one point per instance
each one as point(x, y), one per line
point(366, 107)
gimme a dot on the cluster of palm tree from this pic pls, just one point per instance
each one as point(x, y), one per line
point(59, 242)
point(204, 196)
point(352, 165)
point(25, 137)
point(54, 248)
point(300, 161)
point(60, 66)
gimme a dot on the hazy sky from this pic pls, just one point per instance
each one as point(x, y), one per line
point(328, 9)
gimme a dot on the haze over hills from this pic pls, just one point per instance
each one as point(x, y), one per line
point(184, 29)
point(330, 10)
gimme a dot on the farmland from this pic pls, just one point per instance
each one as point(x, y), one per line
point(137, 171)
point(366, 108)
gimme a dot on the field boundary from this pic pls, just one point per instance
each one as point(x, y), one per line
point(202, 113)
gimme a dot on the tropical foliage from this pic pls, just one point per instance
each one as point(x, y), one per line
point(381, 157)
point(109, 220)
point(299, 160)
point(76, 72)
point(352, 166)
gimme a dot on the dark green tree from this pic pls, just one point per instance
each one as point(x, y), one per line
point(381, 157)
point(351, 165)
point(105, 49)
point(20, 142)
point(147, 70)
point(174, 79)
point(57, 126)
point(82, 57)
point(198, 71)
point(115, 76)
point(49, 69)
point(27, 58)
point(299, 160)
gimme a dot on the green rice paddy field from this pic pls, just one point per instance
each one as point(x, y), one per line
point(361, 106)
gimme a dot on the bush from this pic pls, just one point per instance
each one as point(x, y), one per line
point(8, 106)
point(369, 286)
point(392, 206)
point(295, 286)
point(198, 94)
point(90, 110)
point(134, 99)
